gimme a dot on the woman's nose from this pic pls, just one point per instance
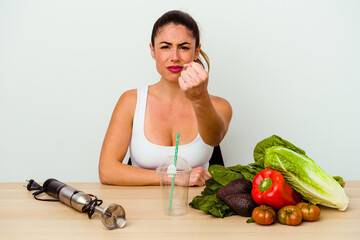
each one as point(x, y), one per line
point(175, 55)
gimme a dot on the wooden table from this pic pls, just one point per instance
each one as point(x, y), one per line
point(22, 217)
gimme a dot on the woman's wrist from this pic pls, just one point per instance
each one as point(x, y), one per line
point(202, 102)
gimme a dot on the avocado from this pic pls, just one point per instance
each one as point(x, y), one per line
point(234, 187)
point(241, 203)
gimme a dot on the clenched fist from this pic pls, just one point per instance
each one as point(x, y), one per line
point(193, 81)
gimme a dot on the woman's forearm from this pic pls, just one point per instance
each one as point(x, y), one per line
point(126, 175)
point(211, 125)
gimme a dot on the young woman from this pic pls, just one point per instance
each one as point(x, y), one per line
point(147, 119)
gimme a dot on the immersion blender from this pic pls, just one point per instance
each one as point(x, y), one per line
point(112, 216)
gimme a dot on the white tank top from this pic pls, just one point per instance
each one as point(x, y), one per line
point(145, 154)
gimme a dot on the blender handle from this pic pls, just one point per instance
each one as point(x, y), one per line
point(53, 187)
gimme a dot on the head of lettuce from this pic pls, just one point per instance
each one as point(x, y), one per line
point(301, 172)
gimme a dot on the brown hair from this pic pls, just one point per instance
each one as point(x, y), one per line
point(181, 18)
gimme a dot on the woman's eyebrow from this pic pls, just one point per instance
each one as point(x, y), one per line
point(163, 42)
point(184, 43)
point(181, 44)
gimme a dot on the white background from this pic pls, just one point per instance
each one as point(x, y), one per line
point(290, 68)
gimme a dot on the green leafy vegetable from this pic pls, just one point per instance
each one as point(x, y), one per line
point(340, 180)
point(260, 148)
point(301, 172)
point(223, 175)
point(306, 177)
point(208, 202)
point(212, 205)
point(248, 172)
point(212, 187)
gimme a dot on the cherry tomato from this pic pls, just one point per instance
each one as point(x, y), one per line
point(290, 215)
point(264, 215)
point(309, 211)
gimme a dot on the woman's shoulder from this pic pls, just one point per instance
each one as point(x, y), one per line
point(219, 101)
point(129, 96)
point(221, 104)
point(127, 101)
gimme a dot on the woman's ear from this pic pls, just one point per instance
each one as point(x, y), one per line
point(197, 51)
point(152, 51)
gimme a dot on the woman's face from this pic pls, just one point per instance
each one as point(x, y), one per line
point(174, 46)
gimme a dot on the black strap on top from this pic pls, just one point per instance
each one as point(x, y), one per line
point(216, 157)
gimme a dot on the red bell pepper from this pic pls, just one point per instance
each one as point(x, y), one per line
point(270, 188)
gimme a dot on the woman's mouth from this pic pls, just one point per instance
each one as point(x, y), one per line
point(175, 69)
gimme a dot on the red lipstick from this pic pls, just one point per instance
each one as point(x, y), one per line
point(175, 69)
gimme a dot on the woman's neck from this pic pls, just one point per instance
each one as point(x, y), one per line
point(168, 91)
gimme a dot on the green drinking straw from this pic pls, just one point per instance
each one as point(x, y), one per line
point(173, 179)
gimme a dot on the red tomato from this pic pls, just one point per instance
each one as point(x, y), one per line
point(290, 215)
point(309, 212)
point(264, 215)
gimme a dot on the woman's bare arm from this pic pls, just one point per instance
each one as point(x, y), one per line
point(213, 114)
point(115, 146)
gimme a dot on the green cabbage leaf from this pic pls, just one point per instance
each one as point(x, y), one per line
point(303, 174)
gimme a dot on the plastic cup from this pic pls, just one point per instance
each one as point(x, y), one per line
point(174, 183)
